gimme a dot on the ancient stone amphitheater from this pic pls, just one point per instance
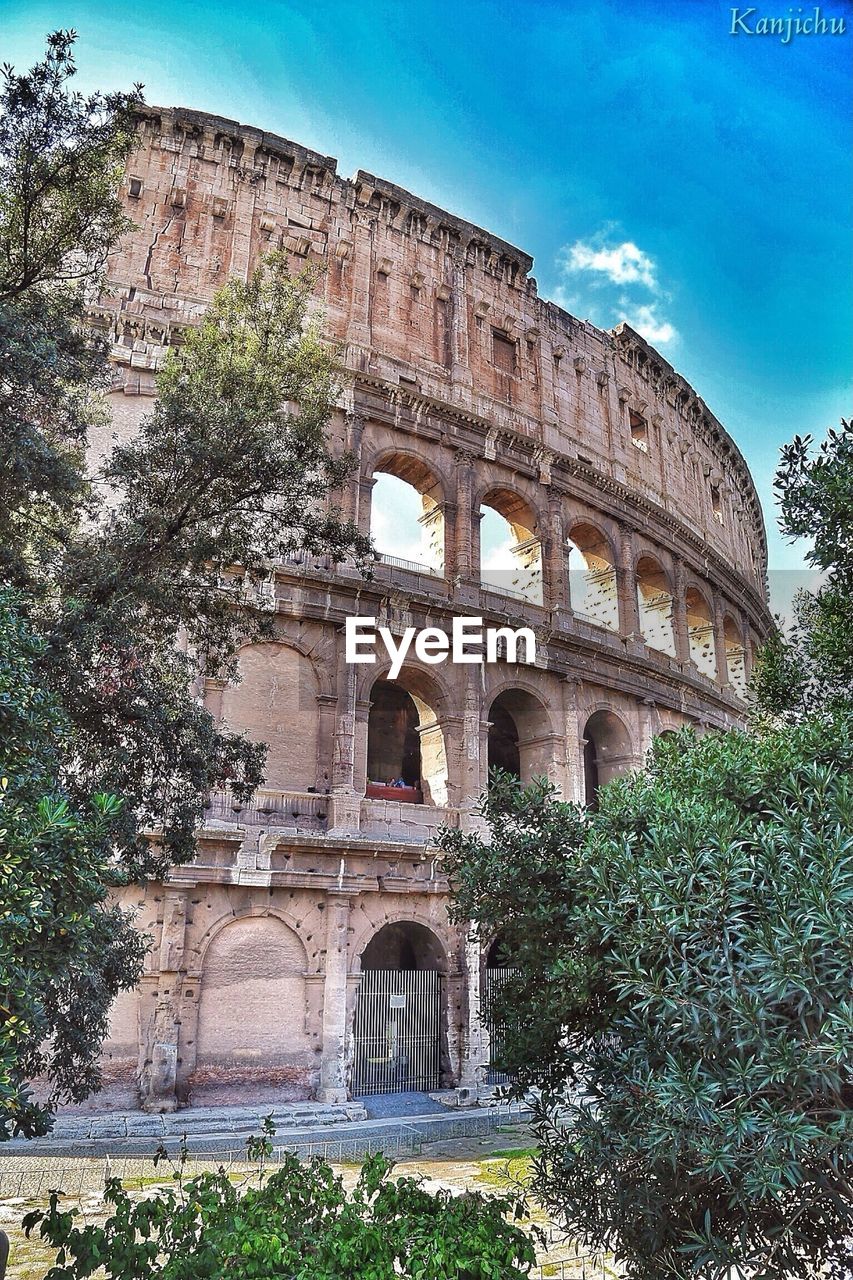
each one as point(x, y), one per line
point(307, 952)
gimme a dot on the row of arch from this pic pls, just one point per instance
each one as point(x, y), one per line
point(406, 749)
point(411, 751)
point(407, 525)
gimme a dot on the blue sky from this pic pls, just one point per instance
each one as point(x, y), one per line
point(655, 166)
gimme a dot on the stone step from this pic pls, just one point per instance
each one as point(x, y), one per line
point(200, 1122)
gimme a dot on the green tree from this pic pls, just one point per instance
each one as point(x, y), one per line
point(681, 999)
point(61, 155)
point(65, 952)
point(137, 579)
point(298, 1223)
point(811, 667)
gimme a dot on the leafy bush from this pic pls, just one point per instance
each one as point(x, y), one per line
point(681, 999)
point(299, 1223)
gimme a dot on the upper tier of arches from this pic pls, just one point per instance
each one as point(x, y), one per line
point(424, 304)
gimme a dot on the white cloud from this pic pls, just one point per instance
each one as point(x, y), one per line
point(611, 280)
point(621, 264)
point(648, 322)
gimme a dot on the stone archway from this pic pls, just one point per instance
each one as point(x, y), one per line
point(400, 1018)
point(607, 752)
point(519, 735)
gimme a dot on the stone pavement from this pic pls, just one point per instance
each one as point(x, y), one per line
point(399, 1122)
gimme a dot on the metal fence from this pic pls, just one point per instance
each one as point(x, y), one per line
point(33, 1177)
point(397, 1032)
point(558, 1258)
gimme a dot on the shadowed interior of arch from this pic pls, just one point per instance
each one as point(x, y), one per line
point(406, 757)
point(518, 731)
point(655, 605)
point(607, 753)
point(510, 550)
point(735, 656)
point(700, 633)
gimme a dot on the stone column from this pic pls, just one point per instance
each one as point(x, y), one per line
point(345, 807)
point(343, 751)
point(575, 782)
point(626, 584)
point(649, 719)
point(352, 493)
point(556, 566)
point(241, 239)
point(679, 613)
point(448, 511)
point(158, 1075)
point(365, 495)
point(466, 571)
point(333, 1086)
point(475, 1055)
point(720, 639)
point(461, 367)
point(746, 640)
point(358, 328)
point(470, 771)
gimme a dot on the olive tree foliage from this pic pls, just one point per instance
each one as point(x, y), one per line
point(132, 578)
point(680, 999)
point(811, 667)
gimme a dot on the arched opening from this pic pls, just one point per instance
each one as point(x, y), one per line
point(499, 970)
point(400, 1020)
point(592, 577)
point(503, 742)
point(700, 633)
point(403, 945)
point(277, 691)
point(606, 753)
point(735, 656)
point(393, 744)
point(510, 550)
point(406, 518)
point(519, 735)
point(406, 756)
point(655, 604)
point(244, 1051)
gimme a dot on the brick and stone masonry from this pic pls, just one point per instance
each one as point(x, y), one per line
point(641, 568)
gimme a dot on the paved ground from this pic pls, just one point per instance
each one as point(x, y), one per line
point(382, 1105)
point(398, 1124)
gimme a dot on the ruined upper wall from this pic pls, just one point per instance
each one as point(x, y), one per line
point(419, 299)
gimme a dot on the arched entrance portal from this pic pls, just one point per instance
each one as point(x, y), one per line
point(399, 1028)
point(500, 970)
point(606, 753)
point(519, 735)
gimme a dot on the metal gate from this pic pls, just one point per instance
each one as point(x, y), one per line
point(397, 1032)
point(495, 980)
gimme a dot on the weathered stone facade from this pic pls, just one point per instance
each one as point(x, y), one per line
point(461, 381)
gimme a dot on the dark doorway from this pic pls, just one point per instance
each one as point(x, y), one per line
point(393, 744)
point(503, 741)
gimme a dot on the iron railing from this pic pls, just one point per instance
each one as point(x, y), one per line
point(397, 1032)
